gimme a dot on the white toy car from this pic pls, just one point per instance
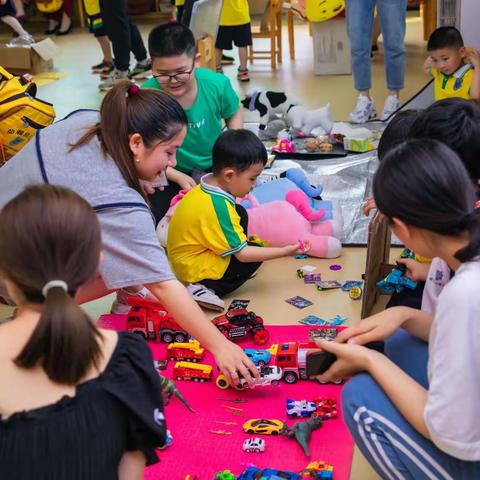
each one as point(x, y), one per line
point(300, 408)
point(269, 375)
point(254, 444)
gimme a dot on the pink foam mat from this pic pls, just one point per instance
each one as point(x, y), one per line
point(198, 452)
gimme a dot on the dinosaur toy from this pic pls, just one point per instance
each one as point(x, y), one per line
point(302, 432)
point(169, 388)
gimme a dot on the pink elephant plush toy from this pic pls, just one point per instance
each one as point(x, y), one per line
point(287, 222)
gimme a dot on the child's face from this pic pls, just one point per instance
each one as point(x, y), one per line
point(151, 162)
point(182, 66)
point(240, 183)
point(447, 60)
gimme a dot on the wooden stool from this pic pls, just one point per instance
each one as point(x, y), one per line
point(206, 49)
point(274, 34)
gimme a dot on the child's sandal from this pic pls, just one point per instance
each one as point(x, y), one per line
point(243, 75)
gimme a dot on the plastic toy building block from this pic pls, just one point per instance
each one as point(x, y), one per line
point(396, 281)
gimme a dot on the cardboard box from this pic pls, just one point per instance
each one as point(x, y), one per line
point(360, 145)
point(331, 48)
point(34, 59)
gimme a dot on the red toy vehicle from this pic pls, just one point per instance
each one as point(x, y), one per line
point(238, 323)
point(326, 408)
point(189, 351)
point(150, 319)
point(197, 372)
point(291, 357)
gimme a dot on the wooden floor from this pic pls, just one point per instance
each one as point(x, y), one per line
point(277, 279)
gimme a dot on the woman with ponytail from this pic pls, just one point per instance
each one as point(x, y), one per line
point(76, 402)
point(107, 158)
point(406, 425)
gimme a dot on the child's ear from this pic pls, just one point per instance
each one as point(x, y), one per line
point(401, 230)
point(228, 174)
point(463, 52)
point(197, 60)
point(135, 143)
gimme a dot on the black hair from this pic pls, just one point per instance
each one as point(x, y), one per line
point(238, 149)
point(424, 184)
point(396, 132)
point(171, 40)
point(445, 37)
point(455, 122)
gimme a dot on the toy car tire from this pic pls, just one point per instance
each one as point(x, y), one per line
point(261, 363)
point(250, 431)
point(222, 382)
point(274, 432)
point(167, 338)
point(180, 337)
point(274, 383)
point(290, 378)
point(138, 332)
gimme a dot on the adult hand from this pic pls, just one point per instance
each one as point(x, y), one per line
point(368, 206)
point(233, 362)
point(351, 359)
point(417, 271)
point(184, 181)
point(375, 328)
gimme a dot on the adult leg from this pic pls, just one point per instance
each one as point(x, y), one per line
point(116, 21)
point(392, 15)
point(389, 443)
point(410, 354)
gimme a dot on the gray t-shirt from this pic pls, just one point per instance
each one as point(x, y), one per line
point(132, 253)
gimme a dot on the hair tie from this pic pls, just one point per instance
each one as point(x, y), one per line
point(54, 284)
point(132, 90)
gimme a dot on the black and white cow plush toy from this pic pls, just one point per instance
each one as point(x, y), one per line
point(279, 105)
point(270, 105)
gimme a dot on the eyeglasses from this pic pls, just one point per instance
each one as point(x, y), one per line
point(181, 77)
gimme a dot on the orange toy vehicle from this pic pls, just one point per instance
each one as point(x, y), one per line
point(189, 351)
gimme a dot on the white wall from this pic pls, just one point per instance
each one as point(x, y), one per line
point(470, 22)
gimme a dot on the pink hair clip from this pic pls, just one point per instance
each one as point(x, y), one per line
point(133, 89)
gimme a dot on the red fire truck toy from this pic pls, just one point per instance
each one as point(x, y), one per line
point(196, 372)
point(238, 323)
point(150, 319)
point(189, 351)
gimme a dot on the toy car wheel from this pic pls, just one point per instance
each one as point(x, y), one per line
point(167, 337)
point(260, 336)
point(256, 450)
point(178, 378)
point(222, 382)
point(250, 431)
point(338, 382)
point(180, 337)
point(238, 387)
point(274, 432)
point(290, 378)
point(261, 363)
point(274, 383)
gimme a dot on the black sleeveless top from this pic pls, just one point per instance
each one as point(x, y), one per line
point(84, 437)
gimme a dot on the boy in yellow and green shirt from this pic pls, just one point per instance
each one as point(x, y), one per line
point(454, 67)
point(207, 235)
point(234, 29)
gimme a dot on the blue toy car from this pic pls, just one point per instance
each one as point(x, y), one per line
point(396, 281)
point(253, 473)
point(300, 408)
point(258, 357)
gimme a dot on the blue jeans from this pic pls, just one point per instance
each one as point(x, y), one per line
point(392, 15)
point(389, 443)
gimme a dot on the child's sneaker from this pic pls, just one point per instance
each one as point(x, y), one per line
point(392, 104)
point(120, 304)
point(206, 297)
point(142, 69)
point(364, 110)
point(114, 77)
point(243, 75)
point(226, 60)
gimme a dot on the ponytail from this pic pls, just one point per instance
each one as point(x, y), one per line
point(471, 223)
point(58, 237)
point(126, 110)
point(64, 342)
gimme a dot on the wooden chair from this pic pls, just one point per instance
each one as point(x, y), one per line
point(274, 34)
point(206, 49)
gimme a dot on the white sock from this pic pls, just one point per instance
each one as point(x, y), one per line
point(15, 24)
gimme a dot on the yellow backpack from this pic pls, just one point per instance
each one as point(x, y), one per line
point(21, 114)
point(49, 6)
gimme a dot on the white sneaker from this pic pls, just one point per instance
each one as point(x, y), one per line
point(206, 297)
point(120, 305)
point(364, 110)
point(392, 104)
point(21, 41)
point(114, 77)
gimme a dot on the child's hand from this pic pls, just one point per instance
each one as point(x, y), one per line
point(368, 206)
point(417, 271)
point(428, 65)
point(232, 361)
point(302, 246)
point(472, 57)
point(350, 360)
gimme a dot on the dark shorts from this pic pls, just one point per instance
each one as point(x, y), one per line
point(180, 9)
point(7, 10)
point(96, 26)
point(239, 35)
